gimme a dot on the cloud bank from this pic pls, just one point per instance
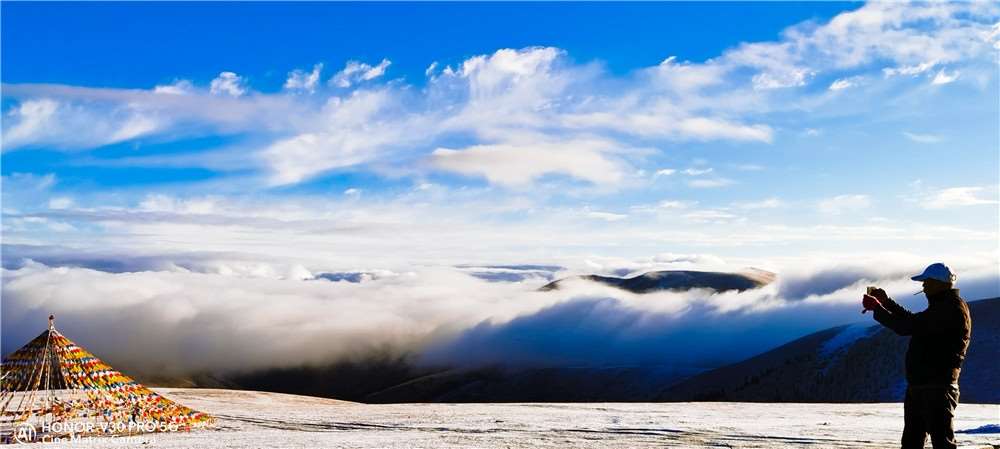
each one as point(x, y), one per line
point(181, 320)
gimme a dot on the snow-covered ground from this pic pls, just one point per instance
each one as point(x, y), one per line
point(263, 420)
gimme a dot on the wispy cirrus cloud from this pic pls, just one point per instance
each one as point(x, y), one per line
point(923, 137)
point(61, 125)
point(710, 183)
point(355, 72)
point(769, 203)
point(693, 171)
point(711, 216)
point(959, 197)
point(844, 203)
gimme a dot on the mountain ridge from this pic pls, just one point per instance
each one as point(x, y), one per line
point(651, 281)
point(868, 368)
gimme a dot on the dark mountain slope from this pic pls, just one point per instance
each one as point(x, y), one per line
point(855, 363)
point(553, 384)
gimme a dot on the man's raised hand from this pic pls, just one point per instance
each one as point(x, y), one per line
point(879, 294)
point(870, 302)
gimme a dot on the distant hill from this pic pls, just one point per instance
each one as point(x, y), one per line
point(554, 384)
point(854, 363)
point(678, 280)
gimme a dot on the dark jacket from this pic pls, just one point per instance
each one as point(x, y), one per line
point(939, 337)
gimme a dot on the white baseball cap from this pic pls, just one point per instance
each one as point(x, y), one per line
point(937, 271)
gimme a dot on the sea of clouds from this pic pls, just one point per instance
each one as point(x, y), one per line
point(199, 314)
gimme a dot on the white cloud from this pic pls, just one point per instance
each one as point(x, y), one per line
point(300, 157)
point(697, 259)
point(709, 183)
point(779, 80)
point(407, 310)
point(228, 83)
point(686, 77)
point(673, 204)
point(30, 181)
point(87, 117)
point(305, 81)
point(663, 206)
point(710, 216)
point(943, 77)
point(171, 204)
point(30, 118)
point(697, 171)
point(35, 222)
point(606, 216)
point(537, 87)
point(706, 128)
point(134, 126)
point(180, 318)
point(59, 226)
point(60, 125)
point(844, 203)
point(179, 87)
point(912, 39)
point(518, 163)
point(769, 203)
point(337, 233)
point(912, 70)
point(61, 202)
point(351, 131)
point(841, 84)
point(376, 71)
point(960, 196)
point(665, 172)
point(923, 138)
point(356, 71)
point(489, 73)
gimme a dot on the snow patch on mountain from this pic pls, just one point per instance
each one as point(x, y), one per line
point(849, 334)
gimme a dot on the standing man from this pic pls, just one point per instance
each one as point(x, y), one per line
point(939, 338)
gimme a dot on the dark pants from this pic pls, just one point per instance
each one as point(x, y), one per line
point(929, 409)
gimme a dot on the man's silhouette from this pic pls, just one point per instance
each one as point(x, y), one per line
point(939, 338)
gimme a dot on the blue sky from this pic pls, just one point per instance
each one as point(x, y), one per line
point(190, 161)
point(82, 44)
point(735, 118)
